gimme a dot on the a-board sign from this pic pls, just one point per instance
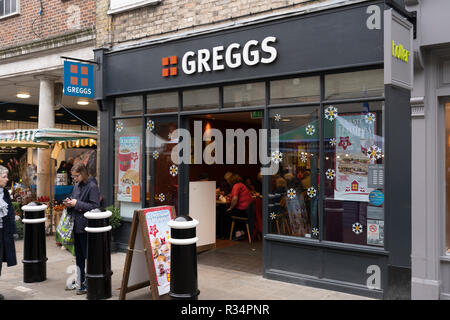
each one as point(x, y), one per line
point(147, 261)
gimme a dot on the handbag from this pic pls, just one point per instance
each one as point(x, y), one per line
point(64, 230)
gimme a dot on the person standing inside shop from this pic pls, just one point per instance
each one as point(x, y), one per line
point(7, 225)
point(85, 197)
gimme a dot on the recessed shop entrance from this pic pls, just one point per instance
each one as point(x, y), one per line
point(212, 183)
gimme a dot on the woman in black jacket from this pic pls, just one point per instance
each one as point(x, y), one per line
point(7, 224)
point(85, 197)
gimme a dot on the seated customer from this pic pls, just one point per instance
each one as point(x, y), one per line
point(240, 200)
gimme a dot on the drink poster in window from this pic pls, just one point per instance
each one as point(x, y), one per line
point(128, 169)
point(355, 136)
point(157, 220)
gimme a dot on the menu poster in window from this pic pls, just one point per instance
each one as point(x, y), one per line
point(129, 169)
point(157, 220)
point(354, 137)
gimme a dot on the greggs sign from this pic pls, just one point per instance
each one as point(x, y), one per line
point(218, 58)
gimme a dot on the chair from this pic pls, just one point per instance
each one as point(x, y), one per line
point(249, 219)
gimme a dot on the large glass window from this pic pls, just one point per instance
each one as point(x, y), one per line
point(128, 165)
point(294, 189)
point(358, 84)
point(244, 95)
point(200, 99)
point(8, 7)
point(295, 90)
point(162, 102)
point(128, 106)
point(354, 173)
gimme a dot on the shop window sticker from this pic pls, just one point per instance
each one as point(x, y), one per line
point(357, 228)
point(344, 142)
point(292, 194)
point(304, 157)
point(161, 197)
point(277, 157)
point(119, 126)
point(330, 174)
point(331, 113)
point(273, 215)
point(173, 170)
point(155, 154)
point(310, 129)
point(312, 192)
point(374, 153)
point(333, 141)
point(150, 125)
point(369, 118)
point(277, 117)
point(315, 232)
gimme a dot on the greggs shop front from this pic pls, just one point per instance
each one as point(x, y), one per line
point(334, 83)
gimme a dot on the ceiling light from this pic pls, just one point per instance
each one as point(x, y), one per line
point(33, 117)
point(73, 120)
point(23, 95)
point(286, 120)
point(83, 102)
point(11, 110)
point(59, 114)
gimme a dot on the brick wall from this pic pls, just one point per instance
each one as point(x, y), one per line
point(172, 16)
point(58, 18)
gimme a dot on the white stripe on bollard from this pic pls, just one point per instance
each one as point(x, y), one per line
point(32, 221)
point(183, 242)
point(183, 225)
point(98, 229)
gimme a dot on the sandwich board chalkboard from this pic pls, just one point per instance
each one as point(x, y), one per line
point(147, 262)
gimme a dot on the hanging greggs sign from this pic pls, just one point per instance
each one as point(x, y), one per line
point(398, 46)
point(218, 58)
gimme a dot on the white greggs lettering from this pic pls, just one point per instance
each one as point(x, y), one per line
point(204, 61)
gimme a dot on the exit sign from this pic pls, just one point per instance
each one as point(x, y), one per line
point(257, 114)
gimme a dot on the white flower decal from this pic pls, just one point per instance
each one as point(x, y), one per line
point(357, 228)
point(311, 192)
point(369, 118)
point(310, 129)
point(277, 117)
point(374, 152)
point(277, 157)
point(161, 197)
point(333, 141)
point(291, 193)
point(119, 126)
point(315, 232)
point(155, 154)
point(331, 113)
point(150, 125)
point(273, 215)
point(173, 170)
point(304, 157)
point(330, 174)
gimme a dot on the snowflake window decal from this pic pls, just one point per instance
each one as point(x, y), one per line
point(277, 117)
point(173, 170)
point(374, 152)
point(369, 118)
point(357, 228)
point(315, 232)
point(150, 125)
point(119, 126)
point(277, 157)
point(310, 129)
point(155, 154)
point(330, 174)
point(331, 113)
point(273, 215)
point(304, 157)
point(291, 193)
point(161, 197)
point(312, 192)
point(333, 141)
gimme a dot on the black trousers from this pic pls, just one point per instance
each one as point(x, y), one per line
point(2, 252)
point(80, 244)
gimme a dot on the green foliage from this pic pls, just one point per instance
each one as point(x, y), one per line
point(115, 218)
point(17, 208)
point(19, 226)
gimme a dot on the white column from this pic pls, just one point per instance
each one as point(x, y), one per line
point(46, 119)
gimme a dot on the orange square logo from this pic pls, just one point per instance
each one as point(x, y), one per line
point(84, 82)
point(165, 72)
point(165, 61)
point(173, 71)
point(74, 81)
point(173, 60)
point(73, 68)
point(84, 70)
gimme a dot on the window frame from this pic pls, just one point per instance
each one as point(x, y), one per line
point(11, 14)
point(133, 4)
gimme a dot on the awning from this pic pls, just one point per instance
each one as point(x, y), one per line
point(45, 135)
point(23, 144)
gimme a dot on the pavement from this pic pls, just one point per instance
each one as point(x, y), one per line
point(216, 280)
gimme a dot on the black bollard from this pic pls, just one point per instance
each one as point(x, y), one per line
point(98, 270)
point(34, 251)
point(183, 259)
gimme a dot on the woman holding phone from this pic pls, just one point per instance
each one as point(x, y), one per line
point(85, 197)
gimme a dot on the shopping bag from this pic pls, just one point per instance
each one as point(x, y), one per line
point(64, 230)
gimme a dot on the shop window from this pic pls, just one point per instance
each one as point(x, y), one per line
point(8, 7)
point(359, 84)
point(128, 165)
point(354, 173)
point(127, 106)
point(162, 173)
point(244, 95)
point(200, 99)
point(162, 102)
point(294, 190)
point(295, 90)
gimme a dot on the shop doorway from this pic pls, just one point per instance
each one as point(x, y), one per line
point(244, 251)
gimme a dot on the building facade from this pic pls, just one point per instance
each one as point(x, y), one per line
point(298, 64)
